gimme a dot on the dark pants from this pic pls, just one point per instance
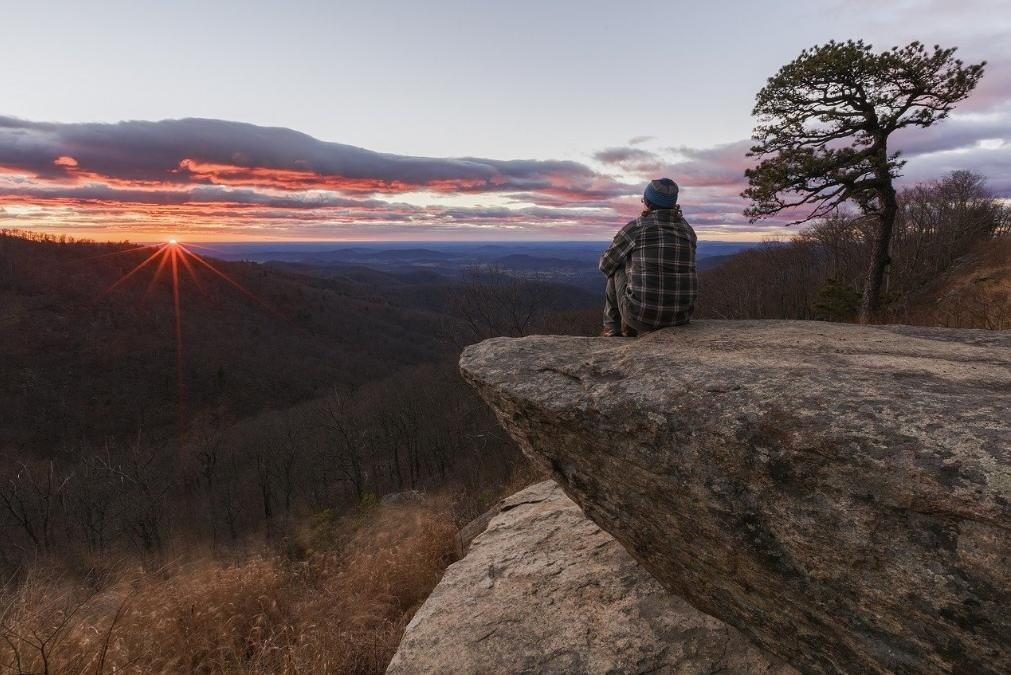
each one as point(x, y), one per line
point(617, 317)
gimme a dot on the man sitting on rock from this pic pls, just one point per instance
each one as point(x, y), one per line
point(650, 267)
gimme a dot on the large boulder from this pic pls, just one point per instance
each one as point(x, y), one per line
point(544, 590)
point(841, 494)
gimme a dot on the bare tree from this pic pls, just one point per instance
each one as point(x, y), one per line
point(32, 497)
point(494, 303)
point(206, 442)
point(338, 417)
point(140, 471)
point(289, 450)
point(93, 503)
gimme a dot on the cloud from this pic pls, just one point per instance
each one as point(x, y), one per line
point(629, 160)
point(958, 131)
point(721, 165)
point(213, 176)
point(229, 174)
point(204, 194)
point(216, 152)
point(638, 140)
point(623, 155)
point(991, 94)
point(992, 163)
point(718, 165)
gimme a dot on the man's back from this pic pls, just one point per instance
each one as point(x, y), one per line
point(657, 253)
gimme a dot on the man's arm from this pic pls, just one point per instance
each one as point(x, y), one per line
point(615, 255)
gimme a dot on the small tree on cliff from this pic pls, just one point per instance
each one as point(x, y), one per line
point(824, 121)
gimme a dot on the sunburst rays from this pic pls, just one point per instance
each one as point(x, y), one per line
point(170, 259)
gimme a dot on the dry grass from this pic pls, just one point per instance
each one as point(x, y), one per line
point(338, 609)
point(974, 293)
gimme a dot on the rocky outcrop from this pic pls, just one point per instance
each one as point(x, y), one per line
point(840, 494)
point(544, 590)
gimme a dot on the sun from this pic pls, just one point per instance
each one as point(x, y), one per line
point(175, 258)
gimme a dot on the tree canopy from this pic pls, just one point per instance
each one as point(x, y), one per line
point(824, 120)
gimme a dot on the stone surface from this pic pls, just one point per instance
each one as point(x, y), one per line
point(472, 529)
point(839, 493)
point(544, 590)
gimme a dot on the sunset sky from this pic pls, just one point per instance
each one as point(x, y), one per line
point(429, 121)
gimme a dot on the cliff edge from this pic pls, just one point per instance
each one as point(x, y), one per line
point(544, 590)
point(840, 494)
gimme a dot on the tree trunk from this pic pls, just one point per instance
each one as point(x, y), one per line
point(396, 464)
point(879, 256)
point(357, 475)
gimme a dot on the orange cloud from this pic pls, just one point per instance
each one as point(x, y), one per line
point(295, 179)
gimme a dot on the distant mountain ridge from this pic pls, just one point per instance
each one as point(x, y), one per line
point(571, 262)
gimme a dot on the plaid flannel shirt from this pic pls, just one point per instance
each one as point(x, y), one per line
point(657, 251)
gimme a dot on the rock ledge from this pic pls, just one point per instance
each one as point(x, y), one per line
point(544, 590)
point(840, 494)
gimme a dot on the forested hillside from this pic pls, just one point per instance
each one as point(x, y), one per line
point(283, 395)
point(950, 265)
point(82, 363)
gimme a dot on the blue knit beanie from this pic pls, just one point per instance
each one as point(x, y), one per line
point(662, 193)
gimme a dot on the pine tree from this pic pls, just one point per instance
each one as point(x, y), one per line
point(824, 122)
